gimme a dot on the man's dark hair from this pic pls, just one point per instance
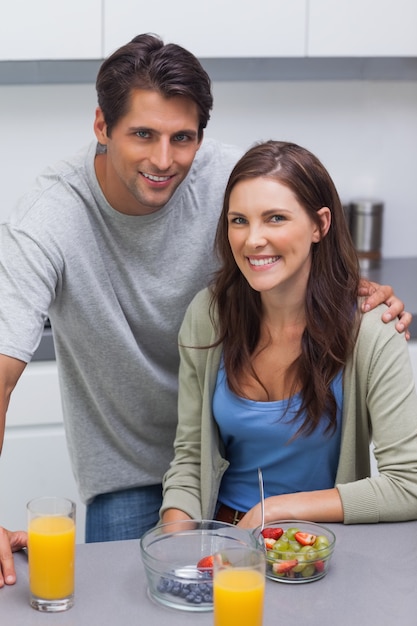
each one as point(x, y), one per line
point(147, 63)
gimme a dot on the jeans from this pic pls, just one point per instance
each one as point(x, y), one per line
point(126, 514)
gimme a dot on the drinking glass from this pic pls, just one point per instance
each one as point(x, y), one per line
point(51, 553)
point(238, 586)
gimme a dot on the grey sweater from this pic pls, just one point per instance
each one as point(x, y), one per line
point(379, 404)
point(116, 288)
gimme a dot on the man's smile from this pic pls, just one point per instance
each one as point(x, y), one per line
point(156, 179)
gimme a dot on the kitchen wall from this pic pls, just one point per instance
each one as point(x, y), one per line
point(364, 131)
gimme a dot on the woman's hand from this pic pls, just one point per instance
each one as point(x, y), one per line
point(376, 294)
point(253, 518)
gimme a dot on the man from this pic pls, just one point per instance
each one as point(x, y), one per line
point(112, 245)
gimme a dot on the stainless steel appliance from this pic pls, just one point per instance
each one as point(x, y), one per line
point(365, 222)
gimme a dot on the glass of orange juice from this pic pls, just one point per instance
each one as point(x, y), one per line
point(51, 553)
point(238, 586)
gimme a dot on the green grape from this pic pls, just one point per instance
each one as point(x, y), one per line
point(322, 545)
point(294, 546)
point(300, 566)
point(280, 546)
point(321, 541)
point(290, 532)
point(309, 553)
point(308, 571)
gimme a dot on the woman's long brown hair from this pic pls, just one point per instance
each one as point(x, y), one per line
point(331, 297)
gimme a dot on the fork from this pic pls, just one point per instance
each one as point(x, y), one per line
point(262, 497)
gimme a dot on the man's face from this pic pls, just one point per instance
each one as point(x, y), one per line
point(149, 153)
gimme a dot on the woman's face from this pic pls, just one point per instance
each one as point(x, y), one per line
point(270, 235)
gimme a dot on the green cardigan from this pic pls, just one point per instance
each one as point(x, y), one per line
point(379, 404)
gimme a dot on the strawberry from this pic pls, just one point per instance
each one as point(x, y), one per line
point(319, 566)
point(272, 533)
point(269, 543)
point(305, 539)
point(284, 567)
point(206, 563)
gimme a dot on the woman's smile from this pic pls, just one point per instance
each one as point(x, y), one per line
point(262, 262)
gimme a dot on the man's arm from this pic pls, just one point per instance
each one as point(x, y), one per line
point(376, 294)
point(10, 372)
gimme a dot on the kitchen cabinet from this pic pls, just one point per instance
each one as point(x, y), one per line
point(362, 28)
point(215, 29)
point(48, 30)
point(35, 460)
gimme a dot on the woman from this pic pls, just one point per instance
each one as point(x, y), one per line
point(279, 369)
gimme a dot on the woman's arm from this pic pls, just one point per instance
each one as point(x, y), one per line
point(189, 482)
point(380, 395)
point(314, 506)
point(174, 515)
point(181, 483)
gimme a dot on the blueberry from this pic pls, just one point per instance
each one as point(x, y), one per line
point(162, 585)
point(176, 589)
point(192, 592)
point(184, 591)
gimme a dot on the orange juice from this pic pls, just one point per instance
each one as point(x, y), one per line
point(238, 596)
point(51, 549)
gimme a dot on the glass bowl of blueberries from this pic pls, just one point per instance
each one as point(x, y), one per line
point(178, 560)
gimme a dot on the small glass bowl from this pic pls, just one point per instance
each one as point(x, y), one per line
point(288, 560)
point(171, 552)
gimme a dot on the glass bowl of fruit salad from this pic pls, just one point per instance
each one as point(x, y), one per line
point(178, 560)
point(296, 551)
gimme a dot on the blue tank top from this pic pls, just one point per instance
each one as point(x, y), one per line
point(258, 434)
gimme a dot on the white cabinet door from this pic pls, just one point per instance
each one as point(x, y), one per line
point(362, 28)
point(35, 463)
point(35, 460)
point(49, 29)
point(212, 29)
